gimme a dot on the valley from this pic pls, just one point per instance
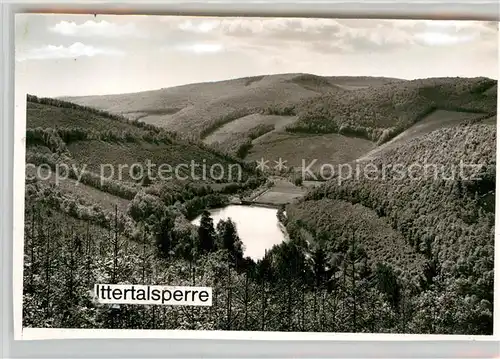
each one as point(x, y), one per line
point(396, 254)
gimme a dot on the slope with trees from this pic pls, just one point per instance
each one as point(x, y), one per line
point(445, 213)
point(380, 113)
point(100, 150)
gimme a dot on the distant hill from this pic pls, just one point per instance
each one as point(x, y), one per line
point(232, 115)
point(202, 108)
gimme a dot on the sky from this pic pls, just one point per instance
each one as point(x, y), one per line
point(77, 55)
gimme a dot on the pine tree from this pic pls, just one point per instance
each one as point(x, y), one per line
point(206, 233)
point(229, 240)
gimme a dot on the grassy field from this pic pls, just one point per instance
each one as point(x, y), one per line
point(326, 149)
point(246, 131)
point(282, 192)
point(242, 126)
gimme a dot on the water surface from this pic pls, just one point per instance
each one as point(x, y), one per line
point(258, 227)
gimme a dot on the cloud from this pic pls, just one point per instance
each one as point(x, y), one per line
point(255, 36)
point(442, 39)
point(204, 48)
point(318, 35)
point(284, 29)
point(268, 34)
point(469, 29)
point(62, 52)
point(97, 28)
point(199, 26)
point(196, 48)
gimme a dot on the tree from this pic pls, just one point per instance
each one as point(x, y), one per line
point(164, 233)
point(206, 233)
point(319, 260)
point(146, 180)
point(243, 149)
point(387, 283)
point(229, 239)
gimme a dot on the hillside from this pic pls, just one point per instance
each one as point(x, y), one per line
point(380, 113)
point(444, 212)
point(102, 150)
point(302, 149)
point(436, 120)
point(202, 108)
point(334, 222)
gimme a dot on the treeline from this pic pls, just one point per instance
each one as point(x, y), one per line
point(105, 114)
point(66, 104)
point(70, 105)
point(57, 138)
point(77, 208)
point(255, 132)
point(240, 143)
point(280, 110)
point(48, 137)
point(156, 204)
point(188, 200)
point(392, 107)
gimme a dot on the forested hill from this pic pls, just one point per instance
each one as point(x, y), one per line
point(86, 139)
point(79, 132)
point(379, 113)
point(323, 104)
point(436, 226)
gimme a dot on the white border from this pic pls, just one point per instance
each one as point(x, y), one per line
point(18, 204)
point(59, 333)
point(41, 333)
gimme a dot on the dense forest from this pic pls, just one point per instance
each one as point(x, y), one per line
point(325, 285)
point(438, 227)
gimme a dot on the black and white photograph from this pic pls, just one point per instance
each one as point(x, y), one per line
point(257, 174)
